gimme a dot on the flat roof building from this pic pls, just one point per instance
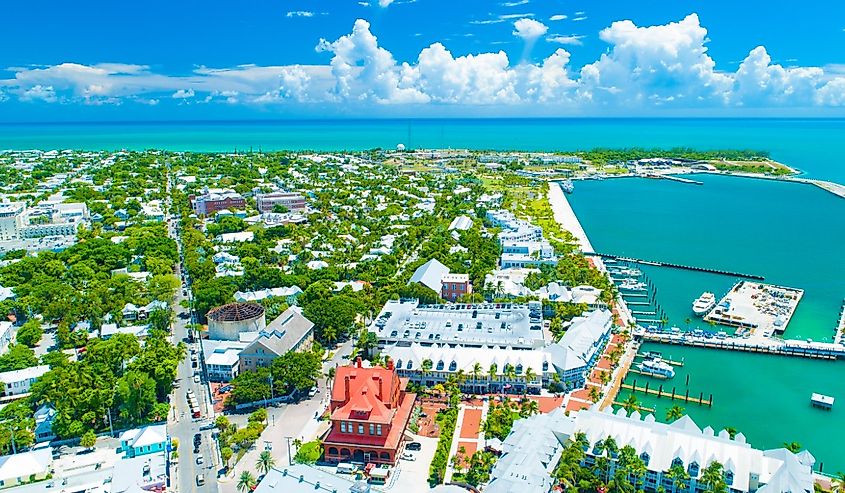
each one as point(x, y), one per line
point(470, 325)
point(294, 202)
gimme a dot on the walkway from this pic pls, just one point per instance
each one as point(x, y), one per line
point(468, 433)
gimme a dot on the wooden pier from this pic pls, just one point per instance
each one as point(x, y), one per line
point(675, 266)
point(673, 395)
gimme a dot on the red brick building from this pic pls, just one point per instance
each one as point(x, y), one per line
point(214, 200)
point(453, 286)
point(370, 410)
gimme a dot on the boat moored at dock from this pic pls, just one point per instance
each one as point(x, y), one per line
point(703, 304)
point(657, 368)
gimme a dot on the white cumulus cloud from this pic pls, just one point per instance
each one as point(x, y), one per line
point(529, 29)
point(183, 94)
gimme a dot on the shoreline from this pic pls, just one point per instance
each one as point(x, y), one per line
point(565, 216)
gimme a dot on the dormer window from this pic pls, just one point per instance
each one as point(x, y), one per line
point(729, 477)
point(453, 366)
point(410, 365)
point(693, 469)
point(440, 365)
point(545, 366)
point(645, 458)
point(677, 462)
point(519, 369)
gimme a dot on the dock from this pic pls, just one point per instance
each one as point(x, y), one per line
point(678, 179)
point(839, 332)
point(660, 393)
point(812, 350)
point(822, 401)
point(763, 309)
point(669, 361)
point(676, 266)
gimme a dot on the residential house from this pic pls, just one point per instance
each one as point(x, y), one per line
point(150, 439)
point(44, 417)
point(24, 467)
point(18, 382)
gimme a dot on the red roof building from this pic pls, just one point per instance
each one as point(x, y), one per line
point(370, 410)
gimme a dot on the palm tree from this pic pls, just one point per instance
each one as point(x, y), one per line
point(265, 462)
point(674, 413)
point(713, 477)
point(793, 447)
point(631, 404)
point(595, 395)
point(477, 371)
point(678, 475)
point(246, 482)
point(838, 485)
point(731, 431)
point(427, 364)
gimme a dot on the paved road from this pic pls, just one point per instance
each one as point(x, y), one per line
point(295, 421)
point(180, 424)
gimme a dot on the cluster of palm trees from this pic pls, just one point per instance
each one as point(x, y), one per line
point(477, 374)
point(248, 482)
point(621, 470)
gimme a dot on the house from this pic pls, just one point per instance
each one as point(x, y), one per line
point(23, 467)
point(7, 332)
point(143, 441)
point(240, 237)
point(222, 359)
point(18, 382)
point(109, 329)
point(370, 410)
point(290, 331)
point(131, 313)
point(44, 417)
point(290, 294)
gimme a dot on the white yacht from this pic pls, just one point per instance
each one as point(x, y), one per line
point(630, 284)
point(704, 304)
point(567, 186)
point(656, 368)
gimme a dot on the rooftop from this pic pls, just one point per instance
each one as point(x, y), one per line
point(485, 324)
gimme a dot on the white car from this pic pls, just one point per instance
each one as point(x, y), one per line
point(199, 459)
point(196, 379)
point(408, 456)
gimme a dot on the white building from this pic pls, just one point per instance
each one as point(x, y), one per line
point(23, 467)
point(222, 359)
point(17, 382)
point(10, 220)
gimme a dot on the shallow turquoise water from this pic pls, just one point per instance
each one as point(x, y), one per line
point(792, 234)
point(812, 145)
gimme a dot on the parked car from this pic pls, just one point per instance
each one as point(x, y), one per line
point(312, 392)
point(196, 379)
point(200, 480)
point(414, 446)
point(199, 459)
point(208, 426)
point(408, 456)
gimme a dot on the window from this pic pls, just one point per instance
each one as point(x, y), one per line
point(693, 469)
point(518, 369)
point(645, 458)
point(677, 462)
point(360, 429)
point(729, 477)
point(343, 426)
point(453, 366)
point(372, 429)
point(378, 430)
point(440, 365)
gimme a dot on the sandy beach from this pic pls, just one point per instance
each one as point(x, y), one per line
point(566, 217)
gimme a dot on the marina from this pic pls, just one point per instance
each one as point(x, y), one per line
point(748, 376)
point(762, 310)
point(839, 332)
point(673, 395)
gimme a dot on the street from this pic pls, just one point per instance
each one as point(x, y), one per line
point(180, 424)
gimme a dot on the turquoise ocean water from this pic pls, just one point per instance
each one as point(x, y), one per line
point(792, 234)
point(813, 145)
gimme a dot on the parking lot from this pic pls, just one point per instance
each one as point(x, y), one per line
point(412, 476)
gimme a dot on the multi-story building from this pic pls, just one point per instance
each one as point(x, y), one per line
point(453, 286)
point(403, 322)
point(534, 447)
point(498, 367)
point(10, 220)
point(370, 410)
point(216, 199)
point(290, 331)
point(513, 229)
point(294, 202)
point(527, 254)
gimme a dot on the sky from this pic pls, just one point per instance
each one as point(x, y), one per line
point(104, 60)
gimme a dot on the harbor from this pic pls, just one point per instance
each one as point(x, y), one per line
point(761, 310)
point(761, 388)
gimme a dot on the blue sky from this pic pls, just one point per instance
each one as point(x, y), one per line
point(102, 60)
